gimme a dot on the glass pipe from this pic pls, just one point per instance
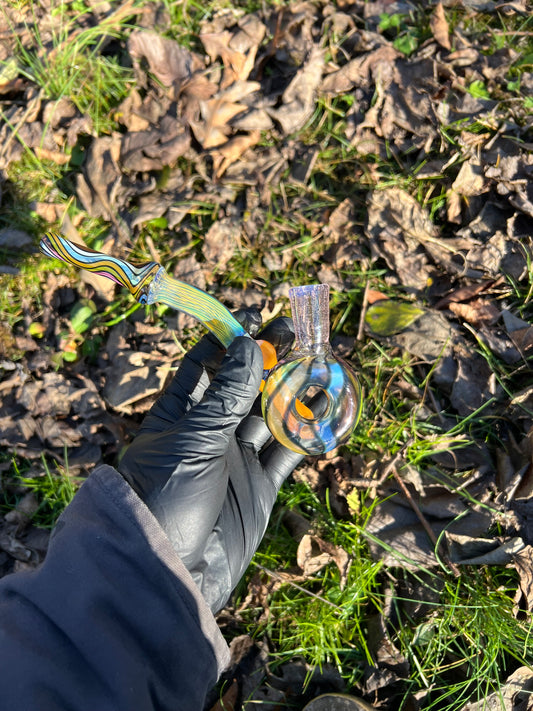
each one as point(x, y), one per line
point(311, 399)
point(149, 283)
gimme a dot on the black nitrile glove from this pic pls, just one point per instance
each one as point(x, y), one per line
point(206, 466)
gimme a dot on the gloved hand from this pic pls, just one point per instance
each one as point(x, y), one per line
point(204, 461)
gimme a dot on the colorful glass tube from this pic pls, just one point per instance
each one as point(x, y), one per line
point(311, 400)
point(149, 283)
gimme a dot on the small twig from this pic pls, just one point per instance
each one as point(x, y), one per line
point(471, 480)
point(423, 520)
point(521, 33)
point(364, 307)
point(151, 248)
point(428, 392)
point(391, 466)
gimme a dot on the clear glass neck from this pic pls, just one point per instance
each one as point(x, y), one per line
point(310, 314)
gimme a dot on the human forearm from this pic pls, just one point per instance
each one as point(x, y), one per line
point(111, 620)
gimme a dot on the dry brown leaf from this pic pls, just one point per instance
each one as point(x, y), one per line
point(439, 26)
point(513, 695)
point(476, 312)
point(298, 100)
point(132, 377)
point(309, 556)
point(523, 338)
point(397, 227)
point(232, 150)
point(156, 147)
point(168, 61)
point(373, 295)
point(221, 241)
point(470, 180)
point(315, 553)
point(57, 157)
point(217, 113)
point(129, 112)
point(359, 71)
point(237, 65)
point(523, 562)
point(464, 293)
point(228, 702)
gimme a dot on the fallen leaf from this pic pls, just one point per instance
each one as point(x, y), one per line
point(310, 557)
point(237, 64)
point(220, 243)
point(471, 387)
point(170, 63)
point(476, 312)
point(218, 111)
point(397, 227)
point(133, 377)
point(398, 538)
point(232, 150)
point(359, 71)
point(439, 26)
point(57, 157)
point(298, 99)
point(523, 562)
point(467, 550)
point(386, 317)
point(156, 147)
point(470, 179)
point(512, 695)
point(464, 293)
point(314, 553)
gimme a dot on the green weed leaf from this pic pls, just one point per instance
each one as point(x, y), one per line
point(81, 315)
point(478, 89)
point(384, 318)
point(69, 356)
point(406, 44)
point(390, 22)
point(36, 329)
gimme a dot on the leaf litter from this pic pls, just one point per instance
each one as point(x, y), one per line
point(191, 132)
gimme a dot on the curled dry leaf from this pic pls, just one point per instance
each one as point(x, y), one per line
point(232, 150)
point(220, 242)
point(298, 100)
point(314, 553)
point(523, 562)
point(439, 26)
point(170, 63)
point(476, 312)
point(156, 147)
point(216, 113)
point(513, 695)
point(237, 64)
point(397, 227)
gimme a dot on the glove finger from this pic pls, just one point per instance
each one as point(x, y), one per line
point(279, 332)
point(208, 426)
point(193, 376)
point(278, 462)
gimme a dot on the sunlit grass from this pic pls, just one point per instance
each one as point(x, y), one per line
point(468, 640)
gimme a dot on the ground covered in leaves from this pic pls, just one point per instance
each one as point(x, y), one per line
point(382, 147)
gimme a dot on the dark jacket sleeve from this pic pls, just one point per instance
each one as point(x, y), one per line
point(112, 620)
